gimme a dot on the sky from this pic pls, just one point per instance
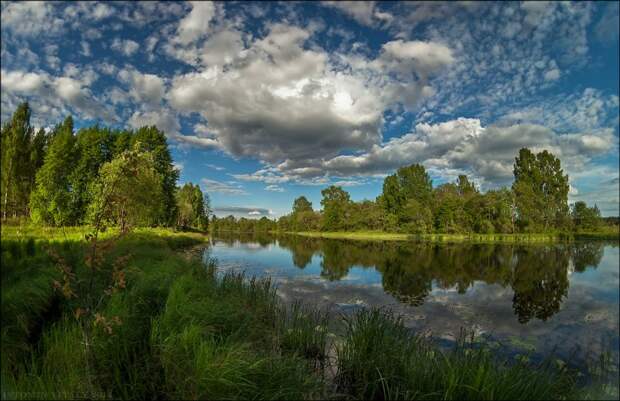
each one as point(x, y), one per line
point(265, 102)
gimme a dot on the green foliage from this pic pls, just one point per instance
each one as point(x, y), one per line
point(450, 214)
point(243, 226)
point(415, 183)
point(586, 218)
point(335, 204)
point(94, 147)
point(20, 156)
point(541, 191)
point(193, 207)
point(417, 218)
point(152, 140)
point(128, 191)
point(52, 200)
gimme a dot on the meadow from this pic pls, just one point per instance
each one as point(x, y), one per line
point(147, 318)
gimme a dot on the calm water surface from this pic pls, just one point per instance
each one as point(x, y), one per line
point(561, 297)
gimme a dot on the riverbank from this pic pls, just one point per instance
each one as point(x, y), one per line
point(174, 329)
point(446, 238)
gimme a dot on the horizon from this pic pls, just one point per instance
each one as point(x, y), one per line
point(264, 103)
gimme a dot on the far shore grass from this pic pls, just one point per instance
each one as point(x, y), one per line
point(78, 233)
point(499, 238)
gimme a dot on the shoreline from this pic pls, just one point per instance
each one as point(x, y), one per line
point(451, 238)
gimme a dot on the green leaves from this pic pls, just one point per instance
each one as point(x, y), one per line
point(541, 192)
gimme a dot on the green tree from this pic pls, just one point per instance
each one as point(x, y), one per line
point(94, 147)
point(411, 182)
point(38, 148)
point(541, 191)
point(449, 210)
point(417, 218)
point(193, 207)
point(367, 215)
point(465, 187)
point(301, 205)
point(586, 218)
point(303, 217)
point(51, 200)
point(392, 197)
point(17, 170)
point(415, 183)
point(128, 191)
point(151, 139)
point(335, 202)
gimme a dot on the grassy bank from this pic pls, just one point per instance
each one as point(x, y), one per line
point(383, 236)
point(176, 329)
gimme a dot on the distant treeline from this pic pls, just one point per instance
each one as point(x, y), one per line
point(97, 174)
point(537, 202)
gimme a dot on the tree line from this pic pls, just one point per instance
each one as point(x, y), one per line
point(68, 178)
point(537, 202)
point(127, 178)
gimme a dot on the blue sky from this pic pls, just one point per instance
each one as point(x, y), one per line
point(264, 102)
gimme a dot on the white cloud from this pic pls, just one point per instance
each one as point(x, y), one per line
point(195, 24)
point(415, 57)
point(85, 51)
point(552, 75)
point(146, 88)
point(164, 119)
point(274, 188)
point(30, 18)
point(448, 149)
point(101, 11)
point(214, 167)
point(127, 46)
point(20, 81)
point(277, 99)
point(364, 12)
point(242, 211)
point(178, 166)
point(222, 187)
point(53, 94)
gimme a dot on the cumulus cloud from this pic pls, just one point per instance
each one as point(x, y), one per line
point(447, 149)
point(52, 93)
point(164, 119)
point(278, 100)
point(196, 23)
point(414, 57)
point(146, 88)
point(231, 187)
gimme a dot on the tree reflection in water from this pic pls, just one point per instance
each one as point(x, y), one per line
point(537, 274)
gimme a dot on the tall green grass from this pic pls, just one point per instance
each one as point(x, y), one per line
point(186, 331)
point(381, 359)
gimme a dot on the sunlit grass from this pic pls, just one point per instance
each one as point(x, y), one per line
point(187, 332)
point(383, 236)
